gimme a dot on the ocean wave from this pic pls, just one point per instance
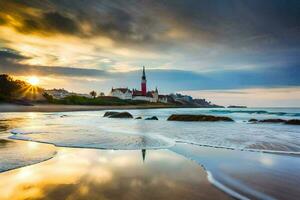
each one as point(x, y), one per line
point(256, 112)
point(259, 148)
point(25, 131)
point(135, 141)
point(116, 141)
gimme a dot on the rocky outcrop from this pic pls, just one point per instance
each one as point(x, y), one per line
point(121, 115)
point(198, 118)
point(236, 106)
point(152, 118)
point(253, 120)
point(272, 120)
point(107, 114)
point(290, 122)
point(293, 122)
point(138, 118)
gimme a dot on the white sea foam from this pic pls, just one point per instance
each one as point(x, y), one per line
point(90, 129)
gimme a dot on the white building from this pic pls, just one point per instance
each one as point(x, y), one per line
point(58, 93)
point(121, 93)
point(151, 96)
point(163, 98)
point(62, 93)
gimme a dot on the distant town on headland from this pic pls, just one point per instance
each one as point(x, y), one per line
point(17, 91)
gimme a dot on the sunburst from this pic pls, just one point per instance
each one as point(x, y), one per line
point(33, 80)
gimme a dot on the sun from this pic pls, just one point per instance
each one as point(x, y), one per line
point(33, 80)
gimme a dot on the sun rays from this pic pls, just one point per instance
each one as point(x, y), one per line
point(30, 89)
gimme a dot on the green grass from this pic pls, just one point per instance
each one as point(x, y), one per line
point(105, 101)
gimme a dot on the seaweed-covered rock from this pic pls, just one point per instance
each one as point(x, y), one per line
point(121, 115)
point(290, 122)
point(152, 118)
point(107, 114)
point(293, 122)
point(272, 121)
point(252, 120)
point(199, 118)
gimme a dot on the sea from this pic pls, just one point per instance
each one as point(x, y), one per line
point(220, 147)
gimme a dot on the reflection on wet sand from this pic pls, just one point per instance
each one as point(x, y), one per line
point(109, 174)
point(251, 174)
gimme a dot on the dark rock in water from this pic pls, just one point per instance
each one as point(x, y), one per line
point(152, 118)
point(199, 118)
point(236, 106)
point(107, 114)
point(253, 120)
point(138, 118)
point(293, 122)
point(272, 120)
point(121, 115)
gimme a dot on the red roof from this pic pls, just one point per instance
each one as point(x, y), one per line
point(137, 93)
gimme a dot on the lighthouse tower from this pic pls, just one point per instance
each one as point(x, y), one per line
point(144, 83)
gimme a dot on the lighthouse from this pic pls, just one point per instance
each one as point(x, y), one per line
point(144, 83)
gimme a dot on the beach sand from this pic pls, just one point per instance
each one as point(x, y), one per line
point(245, 174)
point(66, 108)
point(107, 174)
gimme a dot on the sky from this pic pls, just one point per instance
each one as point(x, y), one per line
point(241, 52)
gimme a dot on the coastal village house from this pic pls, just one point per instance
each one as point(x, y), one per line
point(139, 95)
point(121, 93)
point(62, 93)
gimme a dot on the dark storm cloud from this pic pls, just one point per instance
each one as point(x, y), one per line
point(231, 22)
point(9, 64)
point(8, 54)
point(61, 23)
point(27, 70)
point(50, 22)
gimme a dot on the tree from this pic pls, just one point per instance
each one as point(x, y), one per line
point(48, 97)
point(101, 94)
point(10, 88)
point(93, 94)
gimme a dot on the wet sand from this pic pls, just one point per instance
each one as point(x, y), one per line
point(15, 154)
point(248, 175)
point(66, 108)
point(107, 174)
point(176, 173)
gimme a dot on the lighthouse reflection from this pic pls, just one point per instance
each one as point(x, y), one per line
point(144, 154)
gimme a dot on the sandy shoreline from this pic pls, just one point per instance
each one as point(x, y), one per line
point(67, 108)
point(105, 174)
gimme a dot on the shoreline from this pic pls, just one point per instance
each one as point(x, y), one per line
point(69, 108)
